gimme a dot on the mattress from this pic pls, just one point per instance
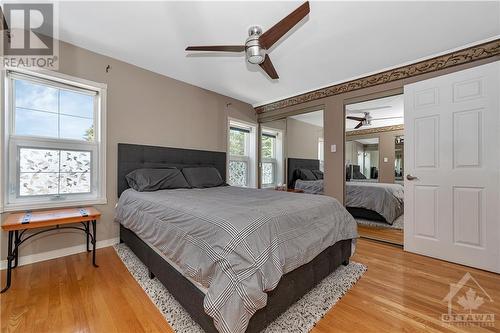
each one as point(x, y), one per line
point(385, 199)
point(236, 243)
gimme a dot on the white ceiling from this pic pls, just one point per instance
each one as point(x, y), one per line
point(388, 107)
point(338, 41)
point(313, 118)
point(370, 141)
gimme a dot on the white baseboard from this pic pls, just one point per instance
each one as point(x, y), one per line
point(32, 258)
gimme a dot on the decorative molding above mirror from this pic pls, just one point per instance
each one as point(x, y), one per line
point(464, 56)
point(375, 130)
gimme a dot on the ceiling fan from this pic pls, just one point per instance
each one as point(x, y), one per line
point(367, 119)
point(257, 43)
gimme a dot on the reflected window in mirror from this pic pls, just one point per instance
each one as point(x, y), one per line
point(399, 158)
point(362, 159)
point(240, 154)
point(321, 154)
point(271, 157)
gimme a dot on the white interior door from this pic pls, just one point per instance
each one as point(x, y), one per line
point(452, 147)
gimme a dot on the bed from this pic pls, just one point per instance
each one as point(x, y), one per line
point(234, 258)
point(366, 200)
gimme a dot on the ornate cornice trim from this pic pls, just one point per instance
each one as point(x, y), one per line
point(375, 130)
point(470, 54)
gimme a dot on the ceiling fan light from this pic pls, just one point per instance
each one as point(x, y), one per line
point(256, 59)
point(255, 54)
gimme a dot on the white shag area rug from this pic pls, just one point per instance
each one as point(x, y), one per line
point(398, 223)
point(299, 318)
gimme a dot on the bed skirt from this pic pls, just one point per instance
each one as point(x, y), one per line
point(290, 289)
point(367, 214)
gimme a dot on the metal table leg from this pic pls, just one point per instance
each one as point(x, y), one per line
point(17, 241)
point(10, 257)
point(87, 232)
point(94, 240)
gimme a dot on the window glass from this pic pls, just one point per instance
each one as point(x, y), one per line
point(33, 96)
point(237, 142)
point(239, 154)
point(52, 112)
point(76, 104)
point(238, 173)
point(268, 173)
point(76, 128)
point(268, 146)
point(36, 123)
point(52, 152)
point(50, 171)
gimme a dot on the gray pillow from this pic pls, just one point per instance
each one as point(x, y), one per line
point(202, 177)
point(306, 174)
point(147, 180)
point(318, 174)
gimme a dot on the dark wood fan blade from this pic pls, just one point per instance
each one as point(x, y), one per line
point(221, 48)
point(359, 125)
point(355, 118)
point(4, 21)
point(268, 67)
point(271, 36)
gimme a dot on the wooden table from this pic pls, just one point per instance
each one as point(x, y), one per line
point(19, 223)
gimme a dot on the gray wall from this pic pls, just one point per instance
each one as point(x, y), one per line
point(144, 108)
point(302, 139)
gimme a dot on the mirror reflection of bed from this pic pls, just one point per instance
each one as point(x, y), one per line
point(296, 137)
point(374, 160)
point(292, 152)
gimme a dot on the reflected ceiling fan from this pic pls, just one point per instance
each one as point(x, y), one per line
point(257, 43)
point(367, 119)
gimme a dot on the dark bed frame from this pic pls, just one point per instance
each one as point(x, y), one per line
point(292, 285)
point(297, 163)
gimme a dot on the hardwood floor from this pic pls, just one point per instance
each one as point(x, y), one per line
point(69, 295)
point(394, 236)
point(400, 292)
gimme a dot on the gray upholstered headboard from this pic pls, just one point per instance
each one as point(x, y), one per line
point(132, 157)
point(298, 163)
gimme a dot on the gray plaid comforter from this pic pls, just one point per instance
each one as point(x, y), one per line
point(385, 199)
point(310, 186)
point(236, 242)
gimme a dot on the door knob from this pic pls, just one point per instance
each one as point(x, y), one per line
point(410, 177)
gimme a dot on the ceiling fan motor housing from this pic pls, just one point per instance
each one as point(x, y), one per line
point(254, 52)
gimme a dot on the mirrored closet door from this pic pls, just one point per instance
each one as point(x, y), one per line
point(374, 166)
point(291, 153)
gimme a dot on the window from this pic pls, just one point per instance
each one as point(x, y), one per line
point(239, 154)
point(55, 148)
point(321, 153)
point(269, 160)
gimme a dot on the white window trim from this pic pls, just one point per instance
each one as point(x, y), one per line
point(251, 156)
point(6, 145)
point(273, 160)
point(321, 153)
point(277, 161)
